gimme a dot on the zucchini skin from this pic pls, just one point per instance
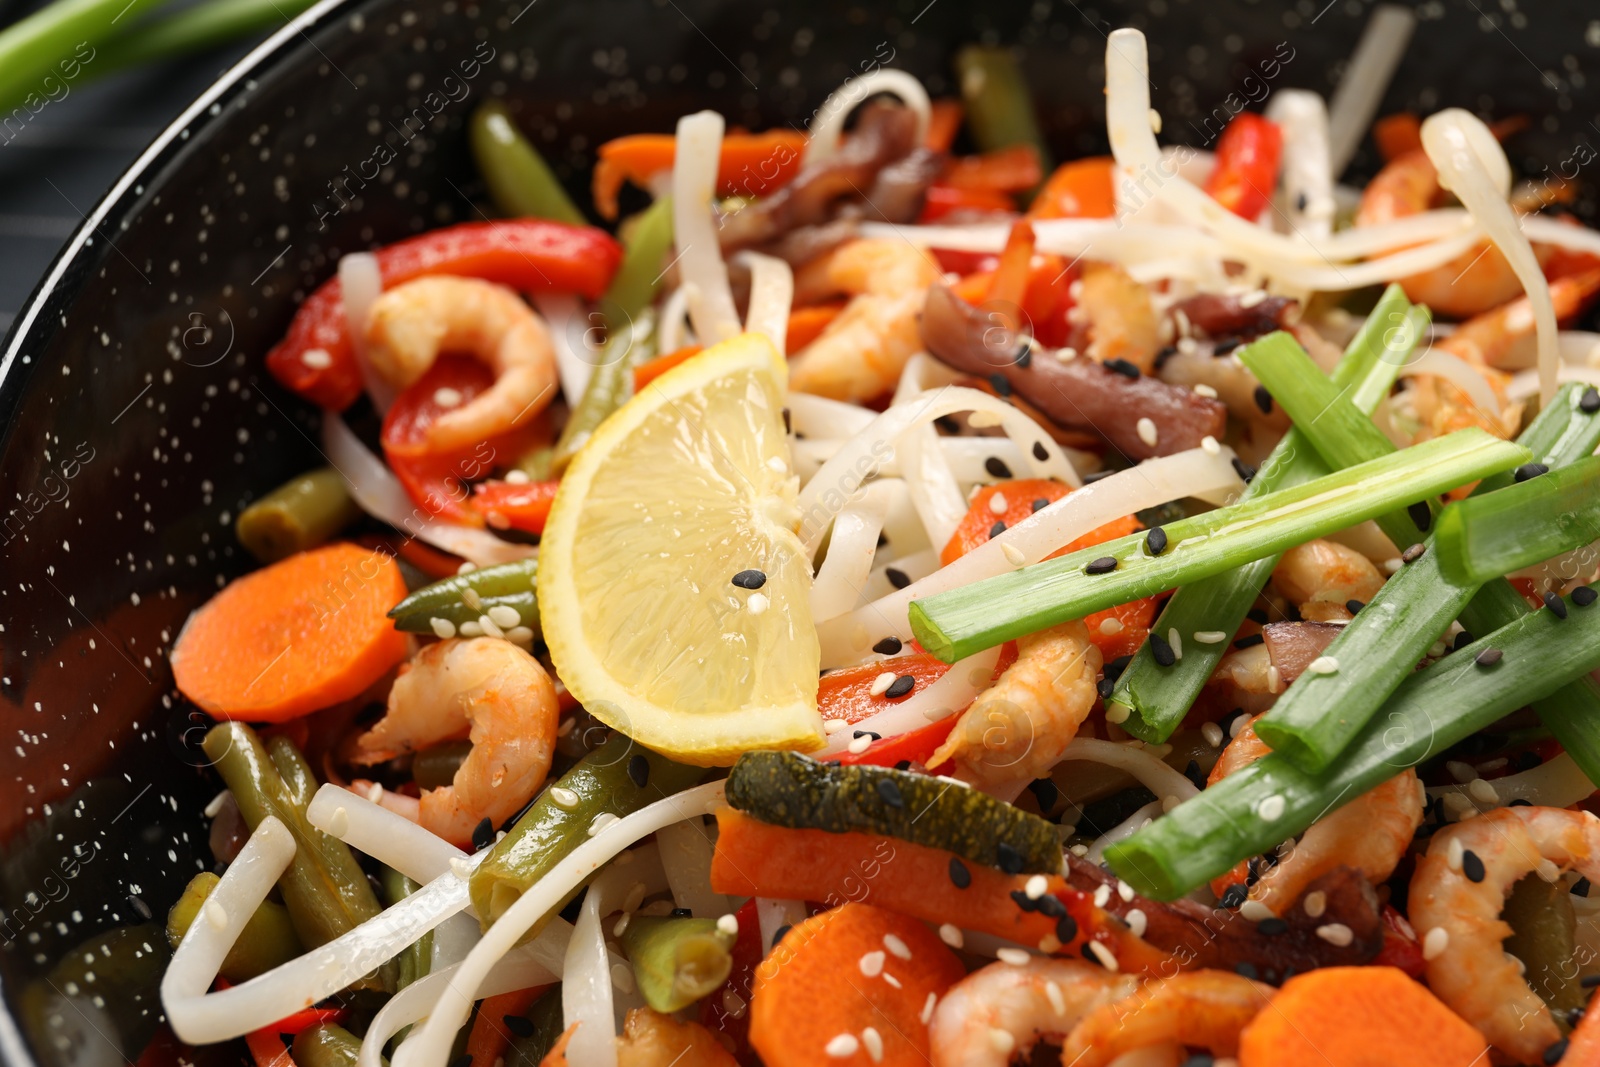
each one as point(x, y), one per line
point(794, 791)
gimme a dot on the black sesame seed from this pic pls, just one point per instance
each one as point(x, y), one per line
point(1103, 565)
point(1040, 453)
point(997, 529)
point(1050, 906)
point(959, 875)
point(1575, 1016)
point(1024, 355)
point(1414, 553)
point(483, 834)
point(639, 770)
point(1520, 803)
point(887, 647)
point(751, 579)
point(1421, 515)
point(1463, 639)
point(1272, 927)
point(1066, 929)
point(1001, 384)
point(1115, 668)
point(1246, 969)
point(1263, 400)
point(1105, 687)
point(1558, 1049)
point(996, 466)
point(1580, 888)
point(1472, 866)
point(1353, 606)
point(520, 1025)
point(140, 908)
point(1122, 367)
point(1008, 858)
point(869, 734)
point(900, 687)
point(1300, 201)
point(889, 793)
point(1557, 606)
point(1040, 504)
point(1249, 641)
point(780, 933)
point(1590, 401)
point(1526, 760)
point(1257, 616)
point(1225, 345)
point(1488, 657)
point(1234, 895)
point(682, 913)
point(1584, 595)
point(1165, 354)
point(1243, 469)
point(1023, 901)
point(902, 765)
point(897, 577)
point(1045, 792)
point(464, 1060)
point(1161, 651)
point(1589, 981)
point(1529, 470)
point(788, 427)
point(1155, 542)
point(1193, 772)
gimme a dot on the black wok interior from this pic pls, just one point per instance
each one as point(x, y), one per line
point(138, 420)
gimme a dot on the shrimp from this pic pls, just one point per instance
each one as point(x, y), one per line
point(1122, 319)
point(509, 703)
point(1020, 726)
point(412, 324)
point(651, 1039)
point(861, 353)
point(1504, 336)
point(1475, 281)
point(1457, 892)
point(1005, 1008)
point(1321, 576)
point(1196, 1009)
point(1369, 834)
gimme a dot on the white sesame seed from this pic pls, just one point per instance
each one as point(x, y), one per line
point(1316, 903)
point(563, 797)
point(896, 947)
point(442, 628)
point(873, 1042)
point(1079, 850)
point(1015, 956)
point(728, 924)
point(1212, 733)
point(1187, 346)
point(1274, 678)
point(860, 744)
point(1155, 126)
point(1252, 298)
point(1111, 626)
point(1116, 712)
point(892, 980)
point(1393, 564)
point(1058, 1002)
point(622, 977)
point(757, 603)
point(471, 599)
point(316, 358)
point(1271, 808)
point(517, 476)
point(1036, 887)
point(1102, 895)
point(842, 1045)
point(339, 822)
point(1103, 954)
point(601, 821)
point(470, 629)
point(881, 684)
point(1255, 911)
point(1210, 637)
point(951, 935)
point(1013, 554)
point(460, 867)
point(997, 504)
point(213, 806)
point(520, 635)
point(1147, 431)
point(1209, 443)
point(1001, 1040)
point(467, 567)
point(1169, 802)
point(1125, 891)
point(1483, 791)
point(1137, 922)
point(447, 397)
point(1049, 944)
point(1548, 870)
point(375, 793)
point(1175, 639)
point(982, 420)
point(1461, 772)
point(926, 1015)
point(505, 617)
point(1237, 725)
point(1336, 934)
point(833, 726)
point(1436, 941)
point(1066, 354)
point(489, 627)
point(871, 963)
point(1453, 852)
point(1322, 665)
point(1206, 391)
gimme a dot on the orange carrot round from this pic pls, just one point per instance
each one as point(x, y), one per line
point(1358, 1017)
point(850, 986)
point(294, 637)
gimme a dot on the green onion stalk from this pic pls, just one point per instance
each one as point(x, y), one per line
point(963, 621)
point(1157, 697)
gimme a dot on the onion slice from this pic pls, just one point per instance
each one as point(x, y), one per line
point(686, 860)
point(673, 331)
point(1307, 169)
point(828, 123)
point(1123, 830)
point(588, 998)
point(851, 549)
point(360, 285)
point(694, 183)
point(771, 295)
point(1556, 783)
point(574, 360)
point(1153, 773)
point(1365, 80)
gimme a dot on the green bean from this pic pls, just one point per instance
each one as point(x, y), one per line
point(1543, 923)
point(324, 889)
point(326, 1045)
point(302, 513)
point(998, 104)
point(519, 179)
point(605, 782)
point(267, 940)
point(464, 597)
point(676, 961)
point(436, 766)
point(416, 959)
point(545, 1015)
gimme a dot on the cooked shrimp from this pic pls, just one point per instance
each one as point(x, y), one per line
point(1252, 681)
point(412, 324)
point(1204, 1009)
point(1475, 281)
point(1004, 1009)
point(1020, 726)
point(861, 353)
point(1503, 337)
point(1320, 576)
point(1120, 316)
point(509, 703)
point(1457, 913)
point(1369, 834)
point(651, 1039)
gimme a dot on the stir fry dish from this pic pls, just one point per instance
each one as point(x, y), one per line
point(880, 597)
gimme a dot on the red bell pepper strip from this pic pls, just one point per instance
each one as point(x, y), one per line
point(1400, 948)
point(1005, 170)
point(726, 1010)
point(530, 255)
point(437, 481)
point(943, 124)
point(489, 1039)
point(515, 506)
point(941, 200)
point(1248, 155)
point(750, 164)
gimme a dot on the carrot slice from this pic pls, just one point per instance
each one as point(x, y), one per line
point(1082, 189)
point(645, 373)
point(489, 1038)
point(850, 985)
point(1359, 1017)
point(806, 324)
point(1584, 1045)
point(294, 637)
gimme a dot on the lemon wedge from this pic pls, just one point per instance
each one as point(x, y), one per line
point(673, 590)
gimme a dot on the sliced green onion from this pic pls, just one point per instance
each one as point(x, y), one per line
point(193, 29)
point(44, 53)
point(520, 181)
point(1500, 532)
point(1433, 709)
point(1158, 697)
point(967, 620)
